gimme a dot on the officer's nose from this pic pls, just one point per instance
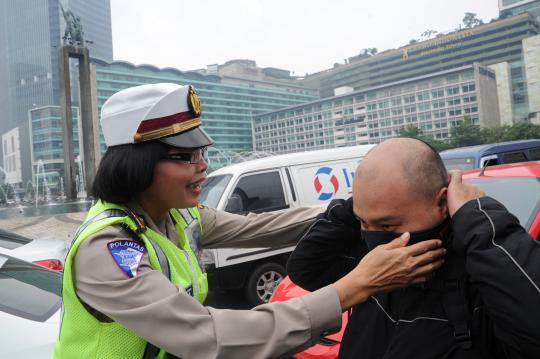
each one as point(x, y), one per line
point(202, 165)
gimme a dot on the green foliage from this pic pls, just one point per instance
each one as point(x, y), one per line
point(370, 51)
point(415, 132)
point(471, 20)
point(518, 131)
point(467, 134)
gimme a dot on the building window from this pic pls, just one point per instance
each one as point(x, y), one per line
point(422, 96)
point(437, 93)
point(409, 99)
point(452, 91)
point(468, 88)
point(438, 104)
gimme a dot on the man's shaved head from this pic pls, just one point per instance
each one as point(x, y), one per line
point(409, 160)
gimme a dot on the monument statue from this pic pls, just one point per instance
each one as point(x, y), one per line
point(73, 34)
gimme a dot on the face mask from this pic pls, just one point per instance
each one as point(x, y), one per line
point(375, 238)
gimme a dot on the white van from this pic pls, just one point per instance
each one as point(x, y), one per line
point(269, 184)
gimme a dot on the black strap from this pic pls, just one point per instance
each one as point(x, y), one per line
point(151, 351)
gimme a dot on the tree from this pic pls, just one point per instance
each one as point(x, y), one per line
point(518, 131)
point(415, 132)
point(412, 132)
point(465, 133)
point(370, 51)
point(471, 20)
point(428, 34)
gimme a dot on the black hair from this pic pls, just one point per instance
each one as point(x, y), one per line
point(126, 170)
point(425, 170)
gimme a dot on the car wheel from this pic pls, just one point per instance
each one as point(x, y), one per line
point(263, 282)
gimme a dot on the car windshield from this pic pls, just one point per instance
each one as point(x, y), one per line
point(213, 189)
point(521, 196)
point(466, 163)
point(29, 291)
point(11, 240)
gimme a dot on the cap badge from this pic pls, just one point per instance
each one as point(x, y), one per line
point(194, 102)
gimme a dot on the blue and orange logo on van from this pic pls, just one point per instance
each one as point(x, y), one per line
point(325, 173)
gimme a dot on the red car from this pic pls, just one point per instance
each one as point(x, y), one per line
point(516, 185)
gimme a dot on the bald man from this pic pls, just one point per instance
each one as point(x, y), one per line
point(485, 300)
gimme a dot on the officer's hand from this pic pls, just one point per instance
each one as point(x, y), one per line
point(460, 193)
point(388, 267)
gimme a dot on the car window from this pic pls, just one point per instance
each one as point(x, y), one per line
point(521, 196)
point(213, 188)
point(258, 193)
point(11, 240)
point(514, 157)
point(29, 291)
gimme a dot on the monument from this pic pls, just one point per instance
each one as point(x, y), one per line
point(74, 47)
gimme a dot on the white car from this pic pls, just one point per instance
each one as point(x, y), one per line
point(30, 301)
point(48, 253)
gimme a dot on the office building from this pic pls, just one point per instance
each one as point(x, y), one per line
point(508, 8)
point(432, 103)
point(499, 42)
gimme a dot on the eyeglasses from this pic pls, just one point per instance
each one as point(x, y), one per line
point(192, 157)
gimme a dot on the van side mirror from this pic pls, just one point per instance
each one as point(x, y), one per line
point(234, 204)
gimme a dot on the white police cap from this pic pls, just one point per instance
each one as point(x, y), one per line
point(167, 112)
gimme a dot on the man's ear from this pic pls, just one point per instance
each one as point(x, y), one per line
point(440, 201)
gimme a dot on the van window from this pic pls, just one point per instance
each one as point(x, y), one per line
point(535, 154)
point(490, 162)
point(260, 192)
point(513, 157)
point(462, 164)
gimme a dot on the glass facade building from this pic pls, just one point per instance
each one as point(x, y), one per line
point(432, 103)
point(508, 8)
point(228, 107)
point(47, 147)
point(30, 40)
point(496, 42)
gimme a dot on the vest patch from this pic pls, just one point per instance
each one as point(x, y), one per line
point(189, 290)
point(127, 254)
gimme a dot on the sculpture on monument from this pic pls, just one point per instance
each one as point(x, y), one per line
point(73, 34)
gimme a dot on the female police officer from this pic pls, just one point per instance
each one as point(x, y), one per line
point(132, 286)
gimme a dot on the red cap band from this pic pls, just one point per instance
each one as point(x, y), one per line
point(162, 122)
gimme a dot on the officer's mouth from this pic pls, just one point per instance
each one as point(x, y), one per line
point(196, 186)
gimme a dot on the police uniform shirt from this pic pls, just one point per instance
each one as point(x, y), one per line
point(165, 315)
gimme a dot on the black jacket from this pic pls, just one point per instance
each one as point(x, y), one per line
point(500, 266)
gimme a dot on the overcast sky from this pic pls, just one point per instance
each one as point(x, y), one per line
point(303, 36)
